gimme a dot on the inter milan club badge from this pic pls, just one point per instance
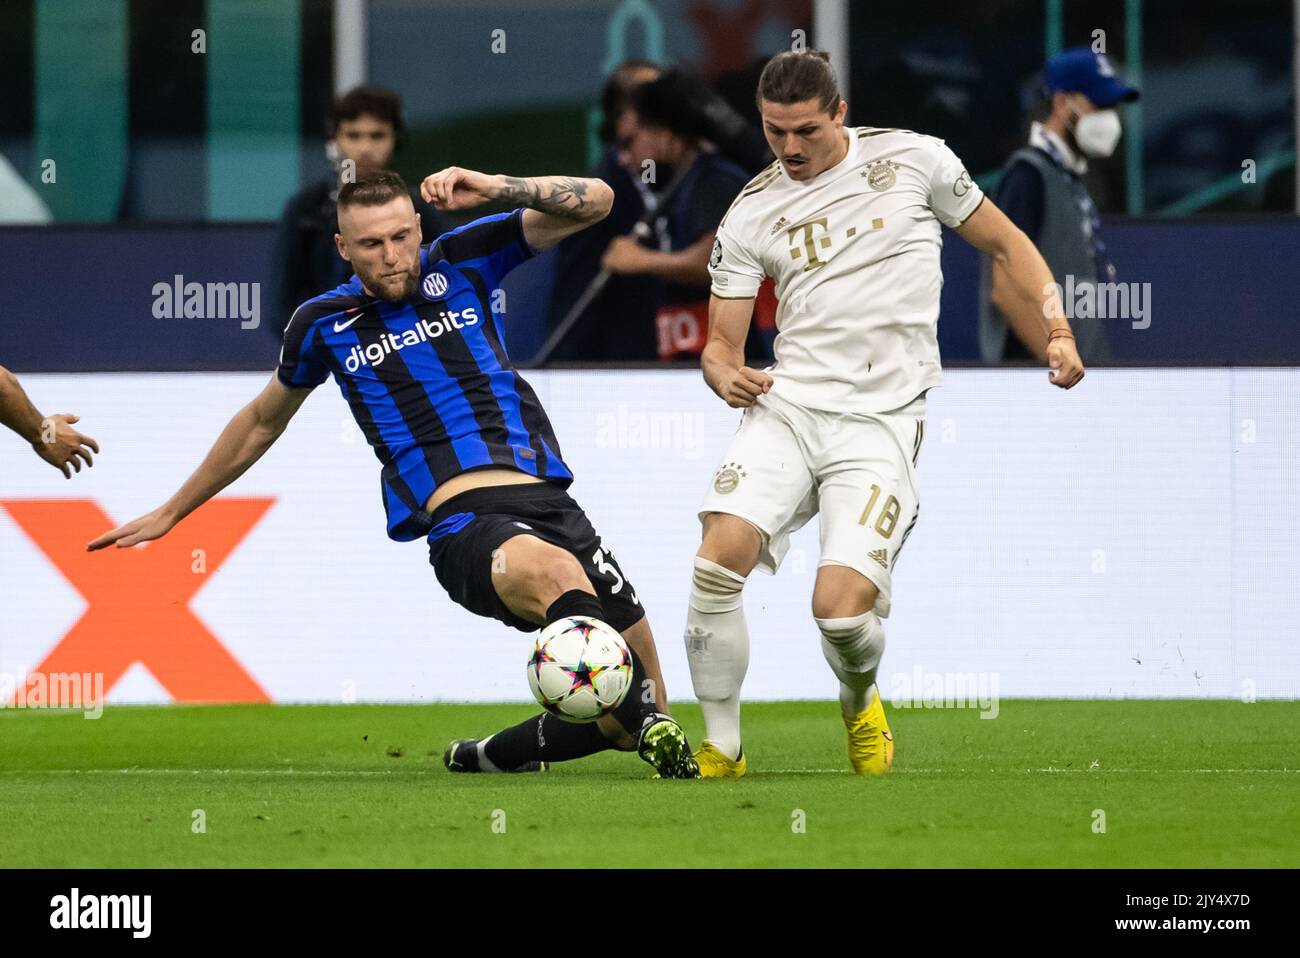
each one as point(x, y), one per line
point(880, 175)
point(434, 285)
point(728, 478)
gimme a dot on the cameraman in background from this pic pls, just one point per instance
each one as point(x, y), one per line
point(619, 323)
point(662, 135)
point(366, 127)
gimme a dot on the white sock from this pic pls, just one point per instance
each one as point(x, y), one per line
point(717, 648)
point(484, 762)
point(853, 648)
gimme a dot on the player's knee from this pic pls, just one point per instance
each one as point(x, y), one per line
point(558, 574)
point(842, 594)
point(731, 542)
point(842, 606)
point(539, 571)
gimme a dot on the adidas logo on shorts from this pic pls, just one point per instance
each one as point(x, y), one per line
point(881, 556)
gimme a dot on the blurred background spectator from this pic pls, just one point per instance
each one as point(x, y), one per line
point(618, 324)
point(365, 128)
point(1042, 190)
point(692, 186)
point(190, 125)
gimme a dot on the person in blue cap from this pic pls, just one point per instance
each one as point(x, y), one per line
point(1043, 191)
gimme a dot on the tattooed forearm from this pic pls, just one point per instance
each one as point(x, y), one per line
point(559, 195)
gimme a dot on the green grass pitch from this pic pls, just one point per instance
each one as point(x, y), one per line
point(1180, 783)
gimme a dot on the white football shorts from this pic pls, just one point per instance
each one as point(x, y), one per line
point(788, 463)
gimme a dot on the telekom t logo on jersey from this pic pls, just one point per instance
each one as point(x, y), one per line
point(805, 240)
point(809, 246)
point(138, 599)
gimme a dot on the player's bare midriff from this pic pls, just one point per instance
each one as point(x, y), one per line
point(474, 480)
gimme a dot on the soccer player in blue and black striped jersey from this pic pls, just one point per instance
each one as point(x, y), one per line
point(469, 459)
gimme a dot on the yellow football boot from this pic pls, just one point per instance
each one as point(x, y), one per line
point(871, 743)
point(714, 764)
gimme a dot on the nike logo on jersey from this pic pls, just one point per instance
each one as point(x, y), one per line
point(355, 312)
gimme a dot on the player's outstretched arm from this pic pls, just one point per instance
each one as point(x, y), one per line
point(556, 206)
point(1024, 290)
point(723, 359)
point(52, 437)
point(245, 439)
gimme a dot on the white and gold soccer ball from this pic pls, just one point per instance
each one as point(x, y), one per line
point(580, 669)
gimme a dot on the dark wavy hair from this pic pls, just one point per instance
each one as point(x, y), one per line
point(795, 76)
point(381, 103)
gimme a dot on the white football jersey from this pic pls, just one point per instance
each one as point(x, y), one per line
point(855, 256)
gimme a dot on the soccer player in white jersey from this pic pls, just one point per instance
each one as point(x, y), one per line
point(847, 221)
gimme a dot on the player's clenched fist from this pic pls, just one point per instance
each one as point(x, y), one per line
point(742, 387)
point(1066, 368)
point(456, 188)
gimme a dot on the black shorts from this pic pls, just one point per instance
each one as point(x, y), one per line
point(470, 527)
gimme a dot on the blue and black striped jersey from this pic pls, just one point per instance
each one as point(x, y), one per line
point(428, 380)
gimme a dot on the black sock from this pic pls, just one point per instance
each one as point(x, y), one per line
point(632, 713)
point(544, 738)
point(575, 602)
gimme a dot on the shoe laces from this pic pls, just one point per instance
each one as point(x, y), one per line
point(866, 739)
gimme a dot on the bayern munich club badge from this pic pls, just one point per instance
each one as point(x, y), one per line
point(728, 478)
point(434, 285)
point(881, 175)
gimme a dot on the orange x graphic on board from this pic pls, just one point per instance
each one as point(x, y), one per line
point(139, 598)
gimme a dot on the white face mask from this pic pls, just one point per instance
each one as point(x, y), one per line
point(1097, 133)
